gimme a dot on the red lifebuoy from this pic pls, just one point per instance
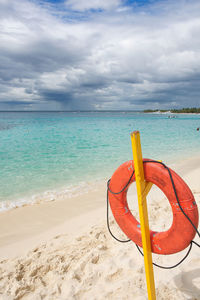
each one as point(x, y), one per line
point(181, 232)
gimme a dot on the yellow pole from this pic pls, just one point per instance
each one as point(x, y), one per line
point(143, 188)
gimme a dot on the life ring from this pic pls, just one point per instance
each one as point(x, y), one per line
point(181, 232)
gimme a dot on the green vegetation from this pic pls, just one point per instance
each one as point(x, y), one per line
point(194, 110)
point(155, 110)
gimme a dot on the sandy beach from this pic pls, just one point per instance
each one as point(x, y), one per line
point(63, 250)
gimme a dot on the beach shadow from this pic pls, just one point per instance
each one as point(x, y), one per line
point(187, 283)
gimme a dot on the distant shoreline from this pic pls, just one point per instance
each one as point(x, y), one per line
point(175, 111)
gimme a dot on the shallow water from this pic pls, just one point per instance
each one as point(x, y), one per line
point(45, 151)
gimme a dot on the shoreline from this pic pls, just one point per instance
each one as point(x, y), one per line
point(17, 224)
point(171, 112)
point(56, 194)
point(84, 187)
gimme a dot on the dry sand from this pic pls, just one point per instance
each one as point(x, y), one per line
point(62, 250)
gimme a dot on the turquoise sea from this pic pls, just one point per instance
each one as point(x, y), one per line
point(52, 151)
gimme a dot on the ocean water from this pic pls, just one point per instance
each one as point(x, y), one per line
point(48, 152)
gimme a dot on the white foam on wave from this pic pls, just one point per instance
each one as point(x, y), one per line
point(70, 191)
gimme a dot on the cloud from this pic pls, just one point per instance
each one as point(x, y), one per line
point(82, 5)
point(110, 55)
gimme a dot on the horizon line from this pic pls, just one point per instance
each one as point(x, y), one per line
point(71, 110)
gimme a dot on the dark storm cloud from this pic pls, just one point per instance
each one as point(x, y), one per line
point(111, 56)
point(63, 97)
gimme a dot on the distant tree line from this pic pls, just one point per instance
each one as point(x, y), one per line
point(155, 110)
point(186, 110)
point(182, 110)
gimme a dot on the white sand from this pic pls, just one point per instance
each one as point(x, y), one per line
point(62, 250)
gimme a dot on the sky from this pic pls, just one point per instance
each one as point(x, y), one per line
point(99, 55)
